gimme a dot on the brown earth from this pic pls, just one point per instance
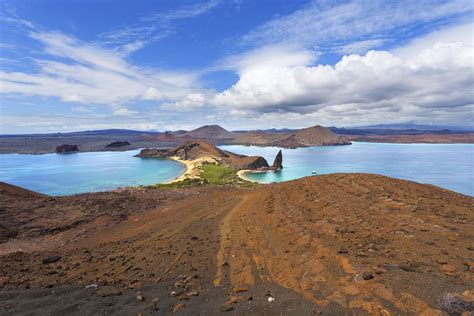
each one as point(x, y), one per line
point(332, 244)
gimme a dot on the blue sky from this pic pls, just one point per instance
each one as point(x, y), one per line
point(76, 65)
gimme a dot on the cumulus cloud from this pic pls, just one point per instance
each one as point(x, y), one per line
point(191, 102)
point(430, 83)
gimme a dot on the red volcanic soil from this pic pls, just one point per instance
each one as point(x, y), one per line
point(333, 244)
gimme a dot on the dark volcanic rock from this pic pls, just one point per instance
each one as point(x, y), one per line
point(65, 148)
point(118, 144)
point(51, 259)
point(278, 162)
point(153, 153)
point(367, 275)
point(255, 162)
point(105, 291)
point(7, 233)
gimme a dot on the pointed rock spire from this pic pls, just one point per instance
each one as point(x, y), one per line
point(278, 162)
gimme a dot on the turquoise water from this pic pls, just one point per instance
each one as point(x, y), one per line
point(450, 166)
point(55, 174)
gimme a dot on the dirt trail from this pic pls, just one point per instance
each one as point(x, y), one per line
point(343, 243)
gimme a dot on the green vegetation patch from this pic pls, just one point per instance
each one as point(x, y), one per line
point(216, 174)
point(219, 174)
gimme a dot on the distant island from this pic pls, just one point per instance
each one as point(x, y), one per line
point(311, 136)
point(120, 139)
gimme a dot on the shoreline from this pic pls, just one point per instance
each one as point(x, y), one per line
point(40, 152)
point(242, 175)
point(192, 168)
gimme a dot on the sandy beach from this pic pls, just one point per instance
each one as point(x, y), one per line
point(242, 174)
point(192, 167)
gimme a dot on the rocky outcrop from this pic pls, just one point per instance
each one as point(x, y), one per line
point(248, 163)
point(278, 162)
point(65, 148)
point(192, 150)
point(152, 153)
point(118, 144)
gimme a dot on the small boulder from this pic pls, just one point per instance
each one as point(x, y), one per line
point(118, 144)
point(240, 289)
point(51, 259)
point(367, 275)
point(108, 291)
point(178, 307)
point(65, 148)
point(449, 269)
point(226, 307)
point(154, 305)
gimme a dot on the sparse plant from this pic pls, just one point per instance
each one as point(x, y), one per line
point(456, 305)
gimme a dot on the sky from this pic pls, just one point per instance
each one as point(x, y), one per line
point(71, 65)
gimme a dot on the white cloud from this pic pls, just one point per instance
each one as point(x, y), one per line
point(191, 102)
point(85, 73)
point(463, 33)
point(433, 83)
point(124, 112)
point(361, 47)
point(184, 12)
point(152, 93)
point(81, 109)
point(154, 27)
point(329, 26)
point(72, 98)
point(268, 57)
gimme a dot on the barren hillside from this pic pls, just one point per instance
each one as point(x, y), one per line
point(334, 244)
